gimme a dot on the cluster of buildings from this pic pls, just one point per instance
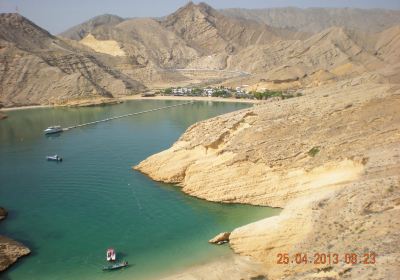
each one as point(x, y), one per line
point(208, 92)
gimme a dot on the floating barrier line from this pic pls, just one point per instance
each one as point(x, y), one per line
point(126, 115)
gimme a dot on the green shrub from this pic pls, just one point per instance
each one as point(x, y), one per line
point(313, 151)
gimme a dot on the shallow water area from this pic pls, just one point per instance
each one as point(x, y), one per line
point(69, 213)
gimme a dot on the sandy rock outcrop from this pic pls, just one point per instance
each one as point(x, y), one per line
point(220, 238)
point(10, 250)
point(331, 158)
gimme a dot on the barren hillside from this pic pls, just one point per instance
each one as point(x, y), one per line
point(38, 68)
point(317, 19)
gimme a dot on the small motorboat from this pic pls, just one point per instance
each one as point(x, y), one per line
point(111, 255)
point(53, 129)
point(54, 158)
point(115, 266)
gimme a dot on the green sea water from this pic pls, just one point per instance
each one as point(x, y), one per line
point(69, 213)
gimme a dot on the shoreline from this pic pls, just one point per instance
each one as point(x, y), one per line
point(7, 109)
point(190, 98)
point(95, 102)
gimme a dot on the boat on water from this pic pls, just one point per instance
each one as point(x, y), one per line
point(115, 266)
point(54, 158)
point(53, 129)
point(111, 255)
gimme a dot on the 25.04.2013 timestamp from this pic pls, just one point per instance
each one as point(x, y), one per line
point(326, 258)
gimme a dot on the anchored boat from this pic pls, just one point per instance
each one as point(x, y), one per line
point(53, 129)
point(54, 158)
point(115, 266)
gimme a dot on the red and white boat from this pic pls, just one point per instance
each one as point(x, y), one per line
point(111, 255)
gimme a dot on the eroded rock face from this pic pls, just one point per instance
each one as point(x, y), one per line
point(331, 158)
point(10, 250)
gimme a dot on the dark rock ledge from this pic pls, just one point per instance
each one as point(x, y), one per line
point(10, 250)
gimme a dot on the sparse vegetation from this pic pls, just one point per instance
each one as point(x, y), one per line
point(313, 152)
point(270, 94)
point(221, 93)
point(167, 91)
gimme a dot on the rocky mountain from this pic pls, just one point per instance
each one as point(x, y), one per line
point(111, 56)
point(328, 56)
point(38, 68)
point(197, 36)
point(185, 37)
point(104, 22)
point(317, 19)
point(209, 31)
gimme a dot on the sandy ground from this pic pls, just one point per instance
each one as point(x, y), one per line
point(237, 267)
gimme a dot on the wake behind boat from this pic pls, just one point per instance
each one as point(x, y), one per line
point(115, 266)
point(53, 129)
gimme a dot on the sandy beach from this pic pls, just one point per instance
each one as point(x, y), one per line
point(25, 107)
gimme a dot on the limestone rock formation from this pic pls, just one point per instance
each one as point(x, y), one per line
point(330, 158)
point(10, 252)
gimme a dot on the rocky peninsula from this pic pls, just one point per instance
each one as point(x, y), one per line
point(10, 250)
point(330, 158)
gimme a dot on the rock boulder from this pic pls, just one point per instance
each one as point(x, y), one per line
point(221, 238)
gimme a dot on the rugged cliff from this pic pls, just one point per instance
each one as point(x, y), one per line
point(330, 158)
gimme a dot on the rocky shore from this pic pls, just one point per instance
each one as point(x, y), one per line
point(2, 116)
point(10, 250)
point(331, 159)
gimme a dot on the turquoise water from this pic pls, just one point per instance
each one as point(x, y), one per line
point(69, 213)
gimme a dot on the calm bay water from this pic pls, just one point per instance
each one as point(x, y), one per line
point(69, 213)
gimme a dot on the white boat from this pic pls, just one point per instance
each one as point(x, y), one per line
point(111, 255)
point(54, 158)
point(53, 129)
